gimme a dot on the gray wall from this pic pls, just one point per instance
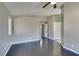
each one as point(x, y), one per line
point(26, 29)
point(4, 38)
point(71, 26)
point(51, 20)
point(50, 27)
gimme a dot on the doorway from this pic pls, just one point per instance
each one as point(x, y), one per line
point(44, 30)
point(43, 33)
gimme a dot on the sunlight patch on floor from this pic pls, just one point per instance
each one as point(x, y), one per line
point(41, 43)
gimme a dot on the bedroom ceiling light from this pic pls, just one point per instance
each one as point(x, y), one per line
point(53, 2)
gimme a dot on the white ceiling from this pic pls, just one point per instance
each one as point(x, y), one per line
point(31, 8)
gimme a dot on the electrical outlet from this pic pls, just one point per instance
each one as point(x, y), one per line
point(72, 45)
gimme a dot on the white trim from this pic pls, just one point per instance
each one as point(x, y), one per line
point(68, 48)
point(32, 41)
point(56, 41)
point(18, 43)
point(13, 43)
point(7, 49)
point(71, 50)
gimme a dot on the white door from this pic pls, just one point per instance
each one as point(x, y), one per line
point(57, 31)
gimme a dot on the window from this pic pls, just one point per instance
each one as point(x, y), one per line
point(9, 25)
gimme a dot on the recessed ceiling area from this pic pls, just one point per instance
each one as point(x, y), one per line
point(32, 8)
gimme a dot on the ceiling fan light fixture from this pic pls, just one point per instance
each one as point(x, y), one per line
point(53, 2)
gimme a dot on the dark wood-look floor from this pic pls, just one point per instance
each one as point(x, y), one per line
point(48, 48)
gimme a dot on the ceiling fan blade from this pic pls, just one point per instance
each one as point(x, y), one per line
point(46, 4)
point(54, 6)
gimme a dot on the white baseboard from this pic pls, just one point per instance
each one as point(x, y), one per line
point(67, 48)
point(17, 43)
point(13, 43)
point(57, 41)
point(32, 41)
point(7, 49)
point(71, 50)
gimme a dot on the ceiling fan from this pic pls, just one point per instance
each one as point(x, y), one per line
point(54, 4)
